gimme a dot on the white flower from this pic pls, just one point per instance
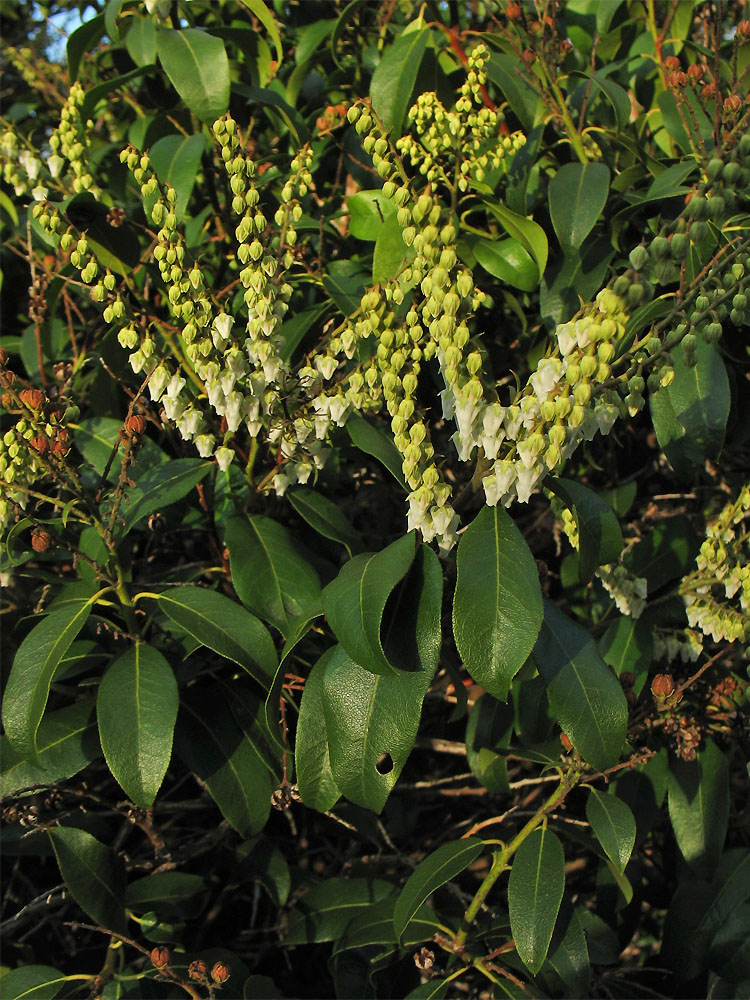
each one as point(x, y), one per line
point(55, 164)
point(233, 410)
point(158, 382)
point(606, 417)
point(205, 445)
point(303, 470)
point(448, 401)
point(566, 338)
point(326, 365)
point(173, 408)
point(189, 422)
point(505, 475)
point(223, 324)
point(39, 193)
point(176, 385)
point(224, 457)
point(527, 481)
point(30, 164)
point(281, 481)
point(546, 377)
point(339, 409)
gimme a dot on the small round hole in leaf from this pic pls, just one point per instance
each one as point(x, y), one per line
point(384, 764)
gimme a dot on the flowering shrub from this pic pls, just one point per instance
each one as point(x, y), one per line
point(377, 403)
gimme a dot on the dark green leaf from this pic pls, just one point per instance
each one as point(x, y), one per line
point(315, 780)
point(276, 106)
point(584, 695)
point(323, 913)
point(628, 646)
point(570, 279)
point(66, 743)
point(89, 106)
point(34, 666)
point(376, 927)
point(158, 488)
point(96, 438)
point(259, 10)
point(176, 159)
point(599, 535)
point(93, 875)
point(32, 982)
point(497, 608)
point(524, 101)
point(528, 233)
point(690, 415)
point(613, 826)
point(444, 864)
point(394, 78)
point(373, 441)
point(294, 329)
point(172, 895)
point(269, 573)
point(490, 725)
point(665, 554)
point(218, 752)
point(325, 517)
point(81, 40)
point(273, 699)
point(509, 261)
point(577, 195)
point(699, 806)
point(434, 989)
point(264, 862)
point(535, 890)
point(355, 601)
point(224, 626)
point(198, 69)
point(568, 953)
point(136, 710)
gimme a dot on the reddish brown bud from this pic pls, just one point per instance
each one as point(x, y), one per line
point(60, 449)
point(677, 79)
point(565, 741)
point(160, 957)
point(662, 686)
point(220, 972)
point(695, 72)
point(528, 56)
point(32, 398)
point(135, 425)
point(3, 356)
point(197, 969)
point(39, 443)
point(6, 401)
point(513, 11)
point(7, 378)
point(743, 29)
point(41, 539)
point(709, 90)
point(671, 63)
point(732, 104)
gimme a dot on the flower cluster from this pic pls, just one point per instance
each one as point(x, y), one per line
point(677, 644)
point(70, 141)
point(722, 575)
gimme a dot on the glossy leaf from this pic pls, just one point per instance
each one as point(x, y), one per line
point(528, 233)
point(497, 607)
point(502, 70)
point(368, 211)
point(584, 696)
point(176, 160)
point(34, 666)
point(628, 646)
point(93, 876)
point(315, 780)
point(224, 626)
point(81, 40)
point(599, 535)
point(172, 895)
point(96, 438)
point(390, 253)
point(490, 725)
point(698, 799)
point(136, 709)
point(444, 864)
point(66, 741)
point(613, 826)
point(395, 76)
point(323, 913)
point(509, 261)
point(32, 982)
point(376, 926)
point(198, 69)
point(690, 414)
point(535, 890)
point(354, 603)
point(264, 15)
point(158, 488)
point(218, 752)
point(666, 553)
point(265, 863)
point(325, 517)
point(140, 41)
point(568, 953)
point(269, 574)
point(370, 439)
point(577, 195)
point(295, 327)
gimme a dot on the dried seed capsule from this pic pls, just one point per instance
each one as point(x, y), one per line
point(41, 539)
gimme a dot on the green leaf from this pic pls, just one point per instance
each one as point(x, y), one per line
point(628, 647)
point(698, 797)
point(224, 626)
point(315, 780)
point(89, 106)
point(434, 989)
point(96, 438)
point(665, 554)
point(176, 159)
point(497, 607)
point(368, 211)
point(294, 329)
point(325, 517)
point(323, 913)
point(613, 826)
point(584, 696)
point(535, 890)
point(140, 41)
point(66, 742)
point(262, 861)
point(509, 261)
point(524, 101)
point(444, 864)
point(569, 954)
point(599, 535)
point(81, 40)
point(371, 440)
point(390, 253)
point(259, 10)
point(93, 876)
point(690, 415)
point(172, 895)
point(394, 79)
point(577, 195)
point(198, 69)
point(301, 627)
point(310, 39)
point(137, 709)
point(570, 279)
point(270, 575)
point(32, 982)
point(218, 752)
point(490, 725)
point(526, 231)
point(355, 601)
point(158, 488)
point(34, 666)
point(376, 927)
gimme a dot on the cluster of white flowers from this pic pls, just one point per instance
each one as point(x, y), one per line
point(722, 575)
point(677, 644)
point(70, 141)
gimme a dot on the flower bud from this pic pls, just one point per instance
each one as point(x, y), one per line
point(197, 969)
point(220, 972)
point(32, 398)
point(662, 686)
point(160, 957)
point(41, 539)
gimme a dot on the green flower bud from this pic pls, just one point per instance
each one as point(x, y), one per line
point(638, 258)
